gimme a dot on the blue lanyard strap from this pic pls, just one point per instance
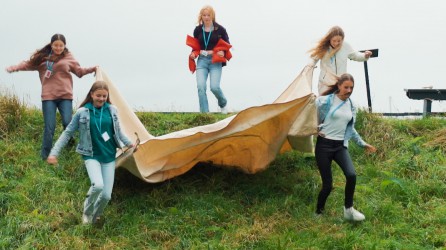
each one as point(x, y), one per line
point(329, 103)
point(338, 107)
point(100, 119)
point(49, 65)
point(206, 42)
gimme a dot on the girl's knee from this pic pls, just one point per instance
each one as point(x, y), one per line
point(215, 90)
point(351, 177)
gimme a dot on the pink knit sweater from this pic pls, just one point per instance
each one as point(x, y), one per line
point(60, 84)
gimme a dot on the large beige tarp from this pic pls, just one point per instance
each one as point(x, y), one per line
point(249, 140)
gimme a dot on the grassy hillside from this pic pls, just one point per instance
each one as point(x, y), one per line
point(401, 189)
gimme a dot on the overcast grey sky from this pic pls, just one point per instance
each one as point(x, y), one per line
point(140, 44)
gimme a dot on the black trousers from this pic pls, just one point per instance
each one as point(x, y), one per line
point(326, 151)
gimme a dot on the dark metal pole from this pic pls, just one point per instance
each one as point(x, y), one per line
point(427, 107)
point(368, 87)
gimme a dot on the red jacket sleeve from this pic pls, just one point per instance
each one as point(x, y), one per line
point(195, 45)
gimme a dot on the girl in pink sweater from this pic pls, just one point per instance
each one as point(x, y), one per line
point(55, 64)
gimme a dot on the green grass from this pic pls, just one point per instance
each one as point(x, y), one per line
point(401, 190)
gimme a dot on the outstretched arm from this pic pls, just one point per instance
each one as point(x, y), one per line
point(25, 65)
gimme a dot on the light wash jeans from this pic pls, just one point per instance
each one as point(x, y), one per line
point(205, 67)
point(49, 108)
point(102, 177)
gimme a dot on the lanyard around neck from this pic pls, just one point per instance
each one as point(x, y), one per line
point(100, 119)
point(330, 101)
point(49, 65)
point(206, 41)
point(338, 107)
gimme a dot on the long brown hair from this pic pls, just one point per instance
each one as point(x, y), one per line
point(323, 45)
point(96, 85)
point(43, 54)
point(340, 79)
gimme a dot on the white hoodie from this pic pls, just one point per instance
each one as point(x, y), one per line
point(336, 65)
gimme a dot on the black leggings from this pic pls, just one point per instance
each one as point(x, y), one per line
point(326, 151)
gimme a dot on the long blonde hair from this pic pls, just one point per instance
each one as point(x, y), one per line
point(323, 45)
point(211, 12)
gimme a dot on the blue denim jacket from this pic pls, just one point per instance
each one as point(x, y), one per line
point(323, 107)
point(81, 122)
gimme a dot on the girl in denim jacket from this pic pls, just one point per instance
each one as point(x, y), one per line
point(99, 136)
point(337, 117)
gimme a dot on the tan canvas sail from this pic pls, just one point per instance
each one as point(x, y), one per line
point(248, 141)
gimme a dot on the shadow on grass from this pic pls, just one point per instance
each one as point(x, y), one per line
point(281, 180)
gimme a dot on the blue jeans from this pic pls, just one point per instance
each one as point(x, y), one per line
point(205, 67)
point(102, 177)
point(65, 108)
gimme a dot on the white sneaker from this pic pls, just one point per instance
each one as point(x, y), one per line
point(87, 219)
point(353, 214)
point(224, 110)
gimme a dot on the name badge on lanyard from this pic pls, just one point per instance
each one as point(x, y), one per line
point(48, 73)
point(49, 67)
point(105, 136)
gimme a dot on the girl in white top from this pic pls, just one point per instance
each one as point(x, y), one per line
point(333, 53)
point(337, 116)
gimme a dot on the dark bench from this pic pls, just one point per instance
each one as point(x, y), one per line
point(427, 95)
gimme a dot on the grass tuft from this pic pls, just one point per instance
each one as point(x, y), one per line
point(12, 111)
